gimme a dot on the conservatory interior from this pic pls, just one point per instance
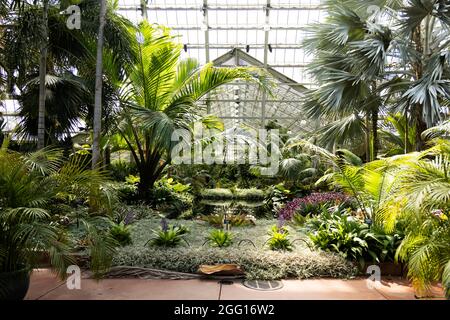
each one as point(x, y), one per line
point(224, 149)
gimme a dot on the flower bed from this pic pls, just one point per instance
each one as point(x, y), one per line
point(311, 204)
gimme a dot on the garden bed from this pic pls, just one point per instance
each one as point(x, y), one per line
point(258, 263)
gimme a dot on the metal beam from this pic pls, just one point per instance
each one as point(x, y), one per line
point(222, 8)
point(256, 100)
point(256, 27)
point(206, 24)
point(266, 55)
point(207, 57)
point(243, 46)
point(144, 9)
point(255, 118)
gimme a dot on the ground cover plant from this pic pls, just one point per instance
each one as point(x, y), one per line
point(259, 262)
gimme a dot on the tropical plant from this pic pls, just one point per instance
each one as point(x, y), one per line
point(168, 235)
point(97, 123)
point(373, 186)
point(397, 135)
point(67, 51)
point(220, 238)
point(160, 95)
point(279, 239)
point(411, 187)
point(28, 183)
point(66, 102)
point(426, 188)
point(396, 59)
point(121, 233)
point(312, 204)
point(339, 232)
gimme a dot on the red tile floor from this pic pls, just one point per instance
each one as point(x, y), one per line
point(45, 286)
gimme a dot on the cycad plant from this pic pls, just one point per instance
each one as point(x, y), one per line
point(162, 94)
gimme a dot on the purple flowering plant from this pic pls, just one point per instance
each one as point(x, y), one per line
point(311, 203)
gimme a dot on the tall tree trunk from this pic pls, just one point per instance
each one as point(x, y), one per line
point(107, 156)
point(375, 145)
point(367, 137)
point(374, 116)
point(406, 137)
point(98, 89)
point(42, 74)
point(417, 109)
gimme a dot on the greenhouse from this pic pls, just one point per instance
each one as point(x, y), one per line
point(224, 150)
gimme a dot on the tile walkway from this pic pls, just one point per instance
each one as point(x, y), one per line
point(45, 286)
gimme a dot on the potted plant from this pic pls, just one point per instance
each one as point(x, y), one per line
point(27, 185)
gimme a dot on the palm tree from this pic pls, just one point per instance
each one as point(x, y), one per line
point(365, 66)
point(28, 185)
point(67, 101)
point(415, 188)
point(68, 50)
point(98, 88)
point(161, 95)
point(426, 188)
point(42, 74)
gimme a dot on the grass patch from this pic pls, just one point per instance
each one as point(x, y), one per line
point(221, 193)
point(259, 263)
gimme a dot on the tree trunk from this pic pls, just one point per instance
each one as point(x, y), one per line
point(98, 89)
point(367, 137)
point(42, 74)
point(375, 141)
point(107, 156)
point(417, 109)
point(421, 126)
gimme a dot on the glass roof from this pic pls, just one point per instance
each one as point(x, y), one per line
point(269, 31)
point(232, 24)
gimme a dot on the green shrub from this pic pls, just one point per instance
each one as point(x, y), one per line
point(253, 194)
point(168, 235)
point(121, 169)
point(217, 193)
point(276, 196)
point(219, 238)
point(127, 191)
point(279, 240)
point(121, 233)
point(342, 233)
point(235, 220)
point(232, 193)
point(257, 263)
